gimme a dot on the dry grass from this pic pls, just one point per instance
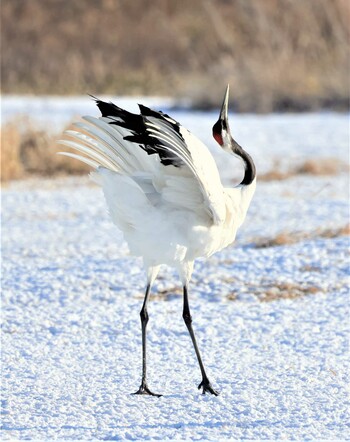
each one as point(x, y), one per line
point(269, 290)
point(275, 175)
point(11, 166)
point(322, 166)
point(287, 291)
point(274, 291)
point(165, 294)
point(276, 54)
point(316, 167)
point(287, 238)
point(32, 151)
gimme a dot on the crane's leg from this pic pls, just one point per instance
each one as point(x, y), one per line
point(205, 384)
point(144, 320)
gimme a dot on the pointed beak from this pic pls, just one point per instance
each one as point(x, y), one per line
point(224, 107)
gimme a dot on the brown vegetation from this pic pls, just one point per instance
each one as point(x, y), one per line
point(318, 167)
point(11, 166)
point(165, 294)
point(273, 291)
point(32, 151)
point(276, 54)
point(286, 238)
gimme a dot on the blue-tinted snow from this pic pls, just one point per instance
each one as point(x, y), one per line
point(71, 341)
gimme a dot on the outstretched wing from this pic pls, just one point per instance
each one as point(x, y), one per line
point(176, 165)
point(142, 132)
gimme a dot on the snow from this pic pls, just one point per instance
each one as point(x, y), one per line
point(52, 112)
point(71, 295)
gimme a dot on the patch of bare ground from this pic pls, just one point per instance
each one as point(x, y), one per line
point(286, 238)
point(310, 269)
point(315, 167)
point(165, 294)
point(273, 291)
point(286, 291)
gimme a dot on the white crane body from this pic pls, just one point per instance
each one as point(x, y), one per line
point(163, 191)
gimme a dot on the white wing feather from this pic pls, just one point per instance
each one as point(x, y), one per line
point(194, 186)
point(196, 156)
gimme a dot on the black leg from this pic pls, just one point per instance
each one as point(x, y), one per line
point(205, 384)
point(144, 320)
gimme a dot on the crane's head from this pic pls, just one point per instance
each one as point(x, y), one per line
point(222, 134)
point(221, 129)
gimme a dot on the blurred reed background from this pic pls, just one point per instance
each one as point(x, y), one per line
point(277, 55)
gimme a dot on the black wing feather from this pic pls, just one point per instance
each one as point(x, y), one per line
point(136, 124)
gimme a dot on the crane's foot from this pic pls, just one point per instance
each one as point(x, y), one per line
point(206, 385)
point(145, 390)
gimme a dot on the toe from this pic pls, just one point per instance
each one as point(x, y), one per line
point(145, 390)
point(206, 385)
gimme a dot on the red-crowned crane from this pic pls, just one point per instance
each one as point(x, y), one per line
point(163, 191)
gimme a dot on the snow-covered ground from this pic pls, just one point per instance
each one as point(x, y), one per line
point(71, 295)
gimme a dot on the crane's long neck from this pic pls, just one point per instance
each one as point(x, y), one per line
point(249, 166)
point(246, 188)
